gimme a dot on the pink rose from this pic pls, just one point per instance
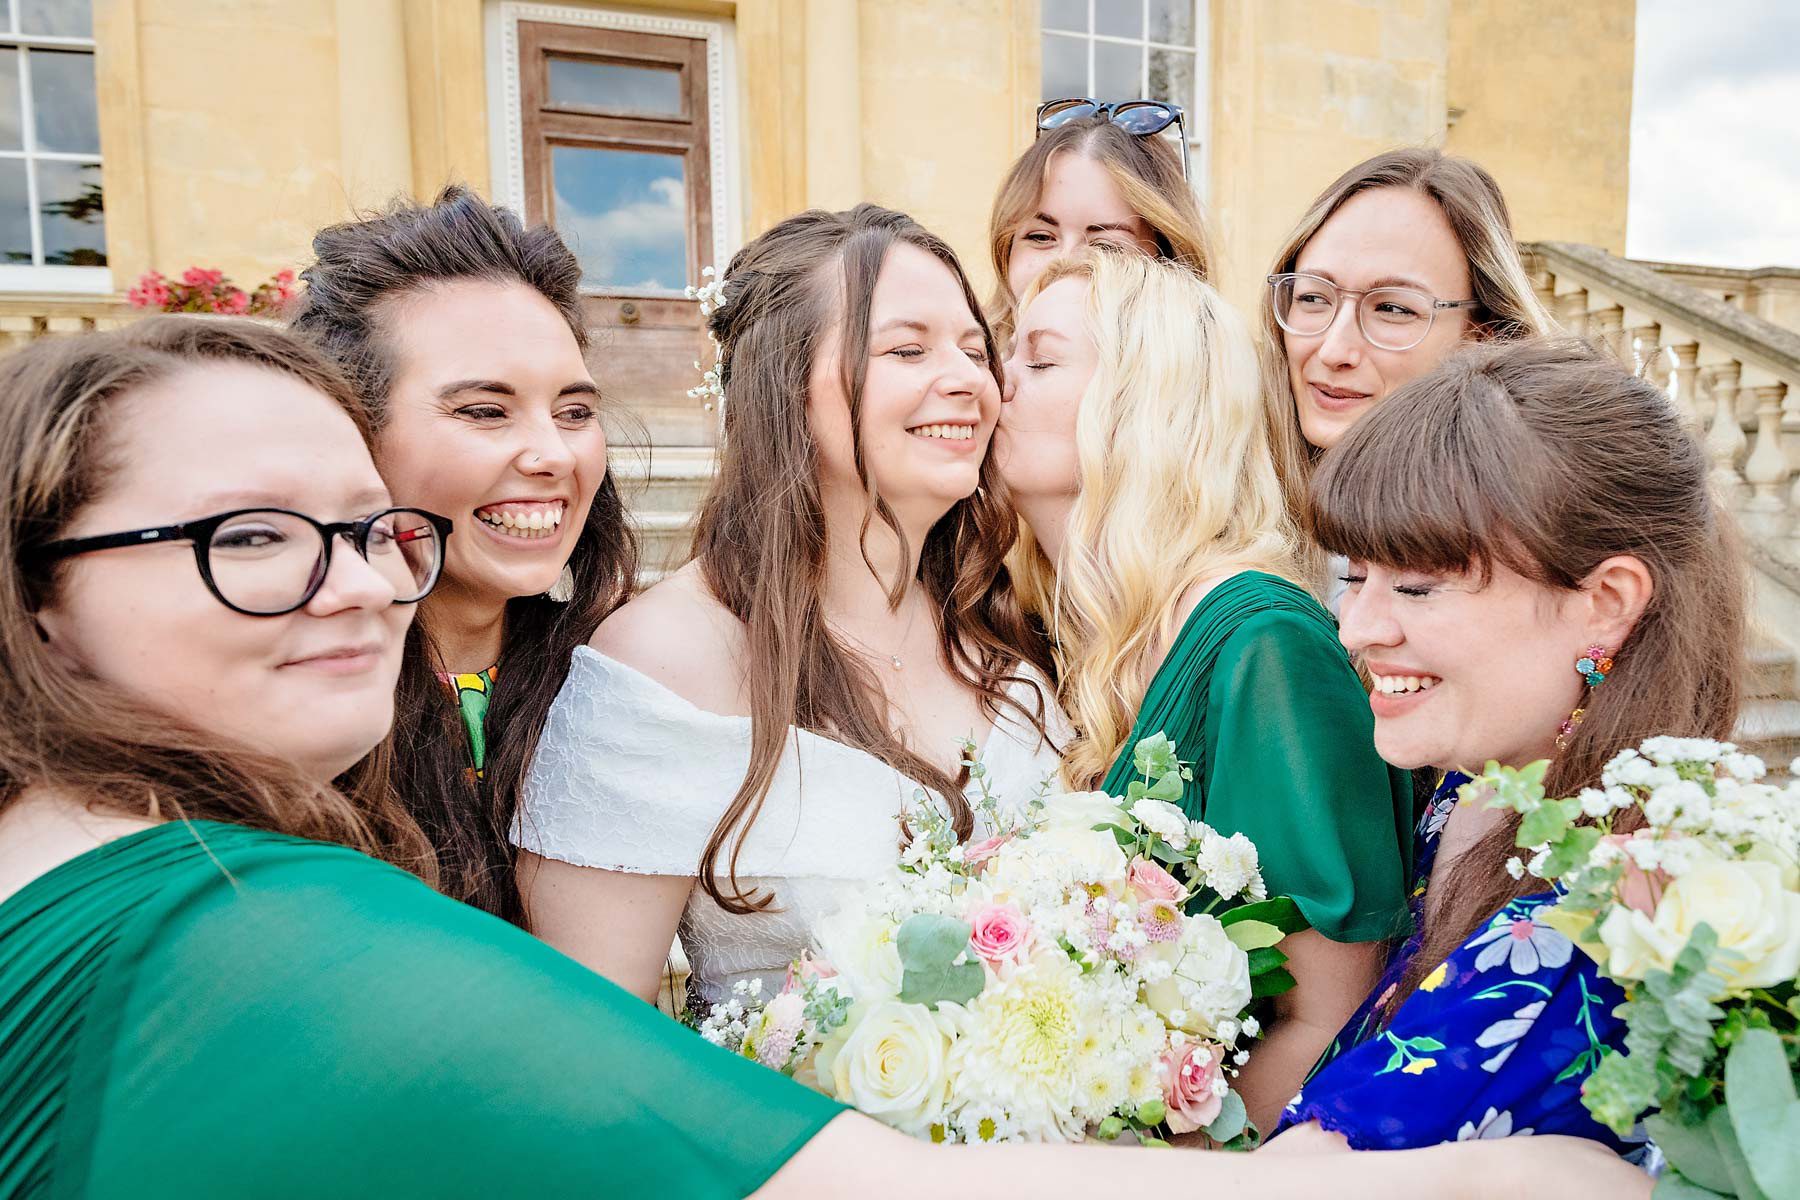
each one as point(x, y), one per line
point(1151, 882)
point(1000, 933)
point(1188, 1090)
point(807, 967)
point(1638, 888)
point(979, 852)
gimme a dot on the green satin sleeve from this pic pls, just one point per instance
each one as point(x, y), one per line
point(322, 1025)
point(1287, 757)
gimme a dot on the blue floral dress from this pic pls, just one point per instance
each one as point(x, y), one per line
point(1494, 1043)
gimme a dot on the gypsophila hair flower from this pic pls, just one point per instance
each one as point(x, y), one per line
point(711, 388)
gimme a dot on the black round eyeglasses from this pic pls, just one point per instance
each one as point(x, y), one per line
point(1140, 118)
point(265, 562)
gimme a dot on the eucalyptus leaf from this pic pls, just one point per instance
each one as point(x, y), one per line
point(929, 948)
point(1253, 935)
point(1166, 788)
point(1674, 1186)
point(1743, 1182)
point(1765, 1113)
point(1231, 1119)
point(1544, 824)
point(1691, 1150)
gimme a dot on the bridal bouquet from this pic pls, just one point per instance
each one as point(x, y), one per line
point(1085, 971)
point(1681, 878)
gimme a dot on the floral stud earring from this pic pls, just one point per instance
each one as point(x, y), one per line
point(1594, 666)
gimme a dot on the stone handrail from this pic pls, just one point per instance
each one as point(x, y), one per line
point(1735, 376)
point(27, 316)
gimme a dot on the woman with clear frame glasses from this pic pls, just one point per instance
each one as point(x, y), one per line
point(1406, 257)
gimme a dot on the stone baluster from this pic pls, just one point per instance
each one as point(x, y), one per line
point(1571, 309)
point(1790, 428)
point(1725, 442)
point(1687, 379)
point(1606, 327)
point(1767, 467)
point(1642, 346)
point(1543, 284)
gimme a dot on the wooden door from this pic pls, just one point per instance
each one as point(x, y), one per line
point(615, 145)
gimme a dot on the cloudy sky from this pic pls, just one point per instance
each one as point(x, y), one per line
point(1715, 133)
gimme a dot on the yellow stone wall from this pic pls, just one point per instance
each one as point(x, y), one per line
point(232, 130)
point(1544, 93)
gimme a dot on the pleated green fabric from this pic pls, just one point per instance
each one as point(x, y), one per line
point(1259, 694)
point(206, 1010)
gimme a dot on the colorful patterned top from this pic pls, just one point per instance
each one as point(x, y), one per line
point(473, 691)
point(1495, 1043)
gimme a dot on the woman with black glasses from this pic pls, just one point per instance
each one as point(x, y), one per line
point(1098, 172)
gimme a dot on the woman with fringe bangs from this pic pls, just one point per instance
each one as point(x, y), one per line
point(1511, 520)
point(733, 750)
point(462, 333)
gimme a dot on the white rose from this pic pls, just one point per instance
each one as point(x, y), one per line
point(1210, 982)
point(1080, 810)
point(1080, 854)
point(890, 1064)
point(1743, 902)
point(860, 946)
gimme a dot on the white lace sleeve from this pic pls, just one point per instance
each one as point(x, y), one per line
point(628, 775)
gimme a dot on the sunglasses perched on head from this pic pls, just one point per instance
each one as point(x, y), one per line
point(1140, 118)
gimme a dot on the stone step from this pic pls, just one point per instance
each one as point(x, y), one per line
point(664, 540)
point(663, 479)
point(1771, 672)
point(1770, 729)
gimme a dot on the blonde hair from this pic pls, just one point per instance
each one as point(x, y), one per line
point(1176, 486)
point(1147, 171)
point(1474, 206)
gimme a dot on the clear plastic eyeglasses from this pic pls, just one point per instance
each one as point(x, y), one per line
point(1391, 318)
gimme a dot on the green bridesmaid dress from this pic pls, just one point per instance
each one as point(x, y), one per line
point(1258, 693)
point(203, 1010)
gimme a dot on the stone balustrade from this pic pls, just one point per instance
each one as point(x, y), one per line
point(27, 316)
point(1735, 376)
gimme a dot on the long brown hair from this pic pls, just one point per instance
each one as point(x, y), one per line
point(1475, 208)
point(1147, 171)
point(361, 268)
point(1547, 458)
point(761, 536)
point(79, 735)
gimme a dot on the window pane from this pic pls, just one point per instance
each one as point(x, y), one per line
point(1067, 14)
point(59, 18)
point(73, 220)
point(10, 132)
point(1065, 67)
point(1172, 21)
point(62, 99)
point(15, 213)
point(613, 87)
point(1118, 72)
point(1172, 77)
point(1119, 18)
point(625, 214)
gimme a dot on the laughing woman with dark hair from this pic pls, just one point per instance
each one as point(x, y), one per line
point(461, 331)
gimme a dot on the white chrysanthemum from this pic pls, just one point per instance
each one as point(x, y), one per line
point(1229, 866)
point(1595, 803)
point(1018, 1049)
point(1163, 819)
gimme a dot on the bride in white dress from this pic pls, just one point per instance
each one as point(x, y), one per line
point(731, 754)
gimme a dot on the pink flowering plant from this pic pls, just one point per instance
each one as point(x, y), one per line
point(206, 290)
point(1680, 877)
point(1085, 968)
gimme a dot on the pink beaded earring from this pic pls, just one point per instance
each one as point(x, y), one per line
point(1594, 666)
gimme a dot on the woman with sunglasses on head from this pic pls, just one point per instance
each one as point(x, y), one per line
point(1402, 260)
point(1157, 549)
point(212, 987)
point(1097, 174)
point(463, 335)
point(1537, 572)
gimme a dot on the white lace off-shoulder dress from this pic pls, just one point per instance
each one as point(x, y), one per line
point(631, 777)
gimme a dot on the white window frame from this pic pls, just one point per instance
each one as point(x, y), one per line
point(506, 144)
point(36, 276)
point(1196, 109)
